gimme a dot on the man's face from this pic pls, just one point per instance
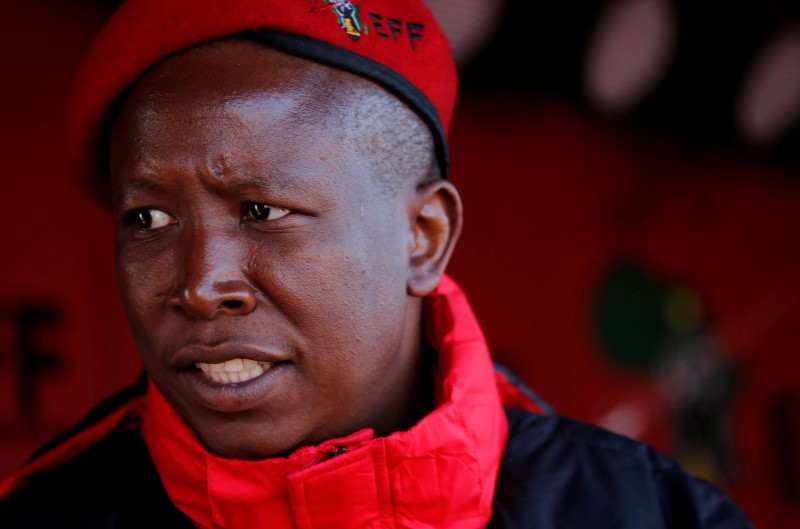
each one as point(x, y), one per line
point(253, 244)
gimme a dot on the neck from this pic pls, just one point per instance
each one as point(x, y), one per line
point(411, 399)
point(418, 399)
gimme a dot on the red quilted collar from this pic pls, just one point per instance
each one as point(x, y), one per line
point(439, 473)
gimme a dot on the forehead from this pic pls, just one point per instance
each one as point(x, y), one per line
point(230, 74)
point(229, 101)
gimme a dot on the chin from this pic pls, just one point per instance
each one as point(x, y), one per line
point(243, 439)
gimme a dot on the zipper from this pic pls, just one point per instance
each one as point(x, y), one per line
point(325, 456)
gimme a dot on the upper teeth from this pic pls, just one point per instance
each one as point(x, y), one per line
point(236, 370)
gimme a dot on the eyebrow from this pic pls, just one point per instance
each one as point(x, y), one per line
point(276, 182)
point(133, 186)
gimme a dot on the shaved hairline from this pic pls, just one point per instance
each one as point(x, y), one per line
point(399, 147)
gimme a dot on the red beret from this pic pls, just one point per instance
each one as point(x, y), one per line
point(397, 44)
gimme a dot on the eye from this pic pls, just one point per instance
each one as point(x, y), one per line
point(149, 219)
point(263, 212)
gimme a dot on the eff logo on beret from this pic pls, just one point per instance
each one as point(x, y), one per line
point(348, 17)
point(388, 28)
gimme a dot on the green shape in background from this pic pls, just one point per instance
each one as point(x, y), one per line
point(628, 318)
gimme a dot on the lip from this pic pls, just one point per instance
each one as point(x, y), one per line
point(188, 356)
point(235, 396)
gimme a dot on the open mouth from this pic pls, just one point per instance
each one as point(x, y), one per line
point(233, 371)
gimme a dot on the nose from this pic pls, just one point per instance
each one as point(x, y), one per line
point(210, 280)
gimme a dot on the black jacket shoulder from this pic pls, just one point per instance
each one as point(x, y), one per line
point(560, 473)
point(112, 485)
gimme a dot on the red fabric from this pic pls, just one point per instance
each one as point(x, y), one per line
point(513, 397)
point(440, 473)
point(142, 32)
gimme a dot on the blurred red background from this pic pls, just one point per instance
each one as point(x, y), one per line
point(629, 170)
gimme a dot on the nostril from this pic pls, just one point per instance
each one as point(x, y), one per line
point(232, 304)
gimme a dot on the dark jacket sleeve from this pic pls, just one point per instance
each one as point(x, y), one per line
point(112, 485)
point(559, 473)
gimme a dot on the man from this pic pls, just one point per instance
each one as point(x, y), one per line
point(283, 224)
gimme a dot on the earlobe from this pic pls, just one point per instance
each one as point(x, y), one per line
point(436, 217)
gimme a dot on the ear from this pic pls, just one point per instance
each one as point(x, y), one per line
point(436, 216)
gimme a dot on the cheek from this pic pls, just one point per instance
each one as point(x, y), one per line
point(345, 284)
point(143, 280)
